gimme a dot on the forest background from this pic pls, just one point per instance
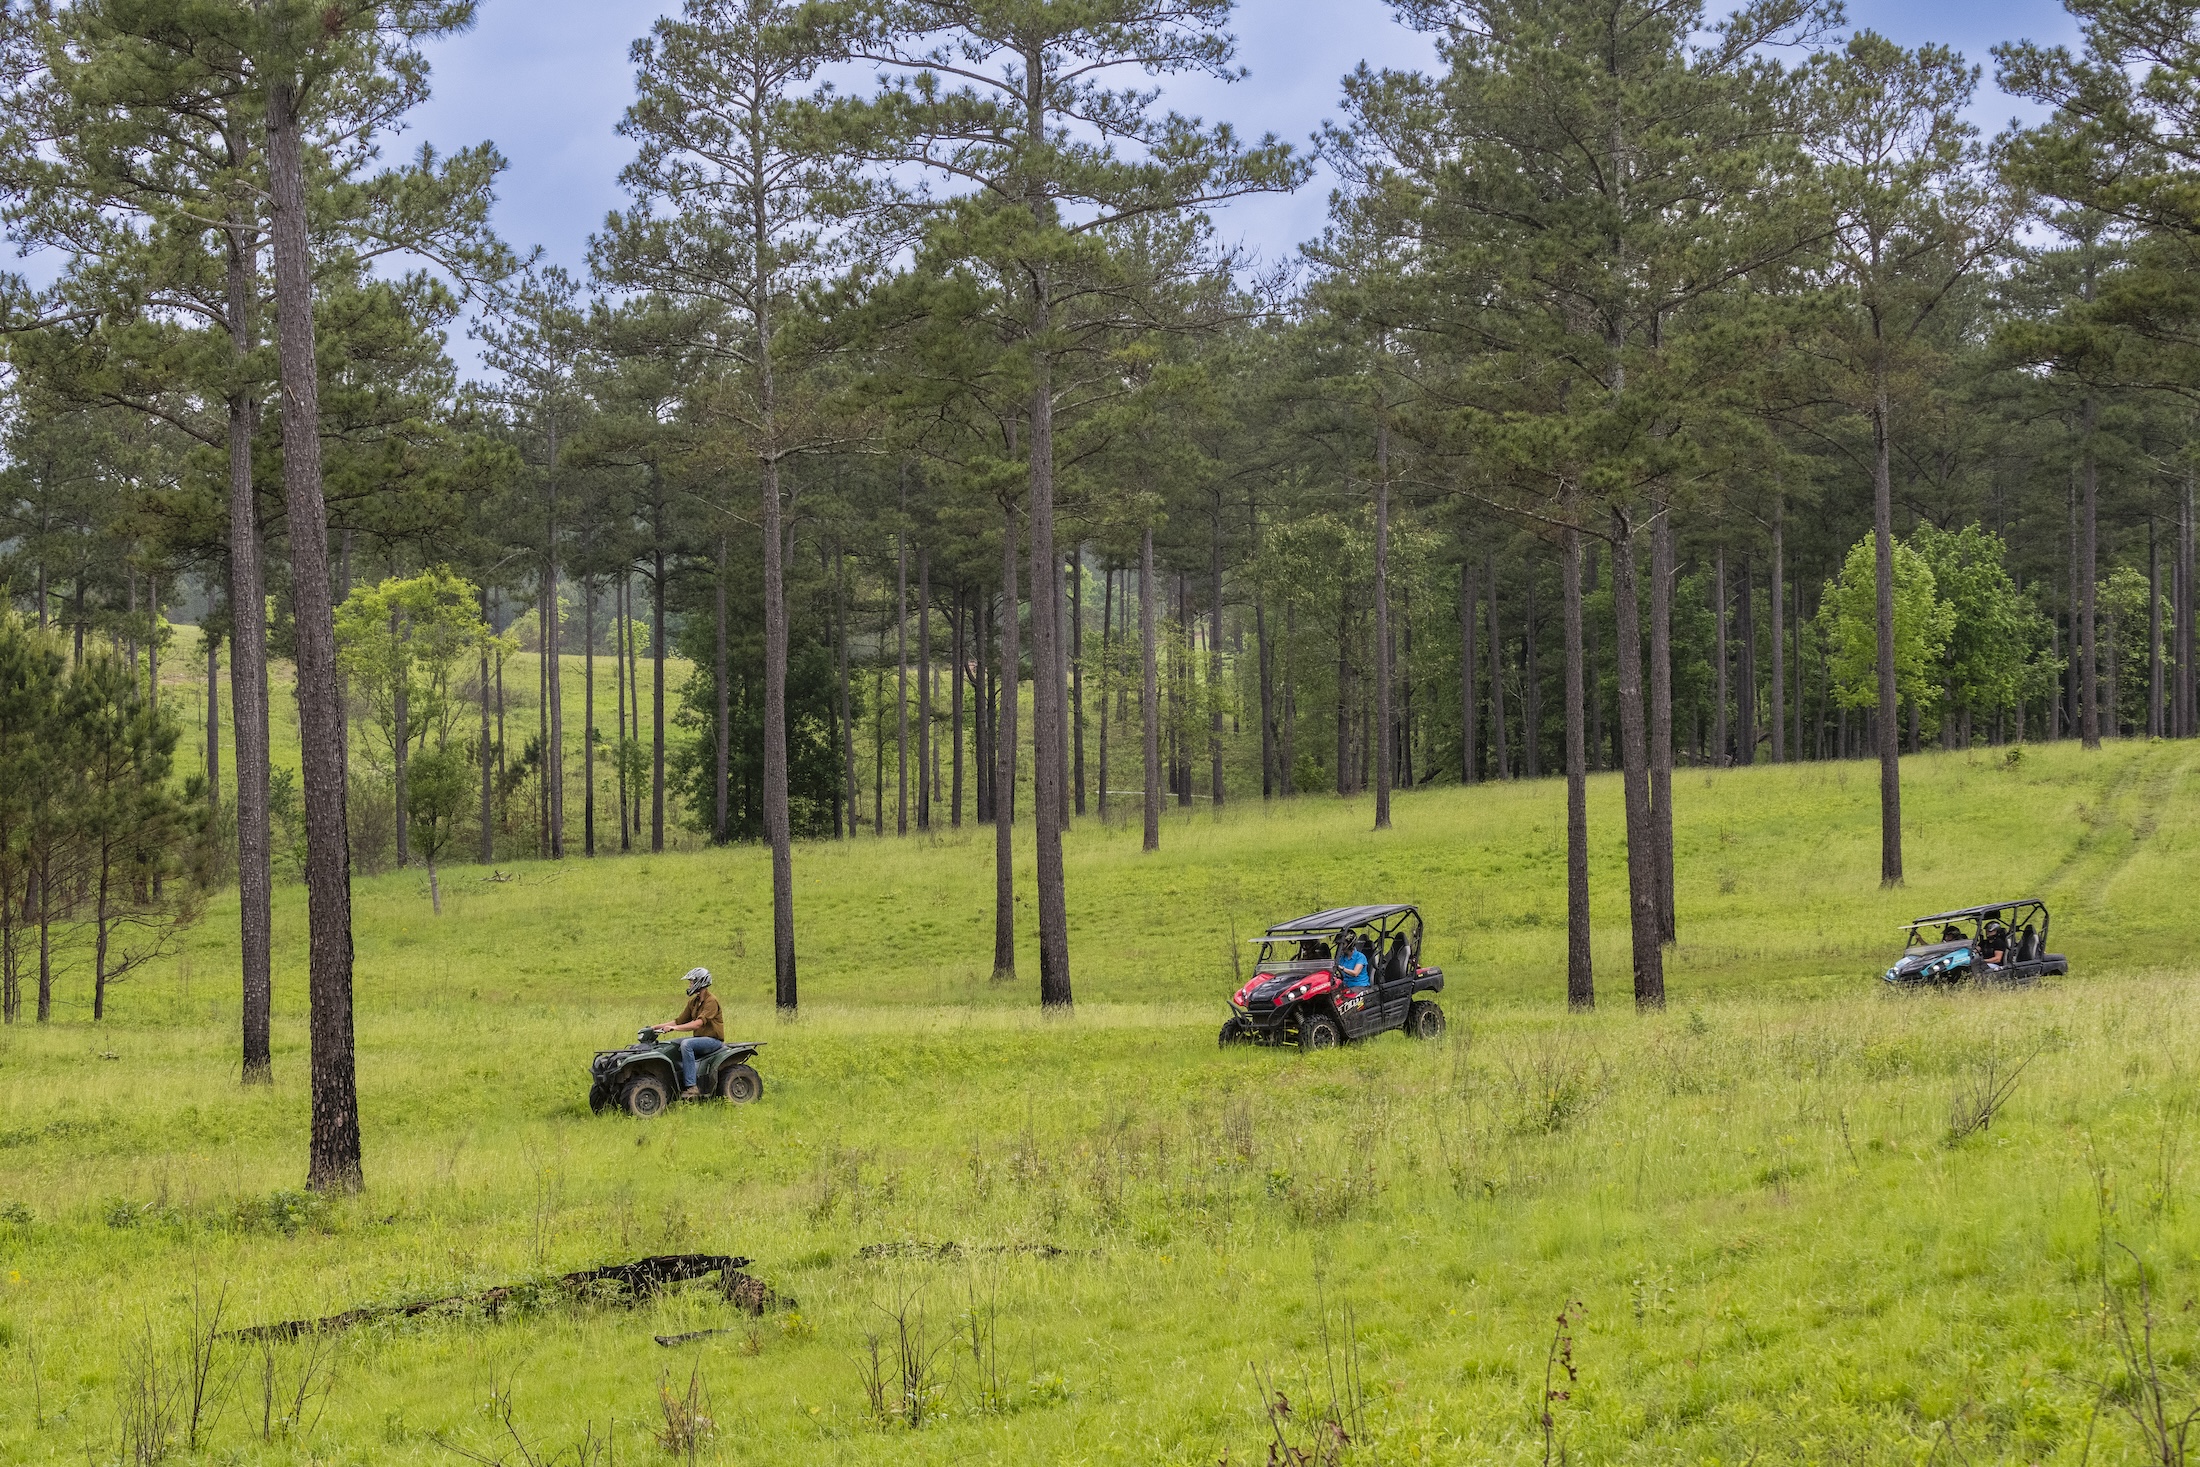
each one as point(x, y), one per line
point(1664, 388)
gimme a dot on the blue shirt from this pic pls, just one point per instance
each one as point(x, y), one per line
point(1352, 968)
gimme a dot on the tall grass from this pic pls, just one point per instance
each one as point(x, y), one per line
point(1071, 1237)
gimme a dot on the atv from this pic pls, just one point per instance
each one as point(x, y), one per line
point(1953, 947)
point(644, 1077)
point(1296, 996)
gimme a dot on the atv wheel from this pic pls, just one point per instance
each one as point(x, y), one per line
point(740, 1084)
point(1319, 1031)
point(645, 1097)
point(599, 1098)
point(1233, 1032)
point(1424, 1020)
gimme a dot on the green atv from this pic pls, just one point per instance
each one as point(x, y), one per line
point(644, 1077)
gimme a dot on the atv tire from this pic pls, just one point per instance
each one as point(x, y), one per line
point(600, 1099)
point(645, 1097)
point(1233, 1033)
point(1424, 1020)
point(740, 1084)
point(1319, 1031)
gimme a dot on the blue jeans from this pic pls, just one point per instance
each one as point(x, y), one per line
point(693, 1048)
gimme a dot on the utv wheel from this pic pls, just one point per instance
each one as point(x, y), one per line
point(1319, 1031)
point(740, 1084)
point(1233, 1033)
point(645, 1097)
point(1424, 1020)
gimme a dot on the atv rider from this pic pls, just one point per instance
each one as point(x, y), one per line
point(708, 1025)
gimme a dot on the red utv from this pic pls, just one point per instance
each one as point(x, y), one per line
point(1296, 995)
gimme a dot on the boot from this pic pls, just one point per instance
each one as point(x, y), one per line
point(691, 1093)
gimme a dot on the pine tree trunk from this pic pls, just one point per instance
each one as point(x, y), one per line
point(2089, 649)
point(927, 775)
point(1266, 653)
point(901, 670)
point(1745, 688)
point(634, 690)
point(982, 736)
point(334, 1150)
point(657, 712)
point(1004, 765)
point(1502, 762)
point(487, 754)
point(1720, 736)
point(2188, 637)
point(1888, 730)
point(1107, 675)
point(553, 753)
point(1531, 689)
point(778, 824)
point(1149, 691)
point(1383, 752)
point(1214, 658)
point(248, 708)
point(1058, 583)
point(721, 731)
point(1777, 601)
point(42, 898)
point(619, 630)
point(1469, 767)
point(1664, 575)
point(588, 722)
point(542, 726)
point(1592, 659)
point(1642, 870)
point(1581, 991)
point(955, 688)
point(2155, 689)
point(1076, 573)
point(1288, 739)
point(847, 712)
point(1049, 713)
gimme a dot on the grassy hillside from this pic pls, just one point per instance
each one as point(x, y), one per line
point(1780, 1248)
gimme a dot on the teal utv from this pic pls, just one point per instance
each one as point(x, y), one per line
point(644, 1078)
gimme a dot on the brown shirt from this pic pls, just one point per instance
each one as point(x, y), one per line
point(703, 1006)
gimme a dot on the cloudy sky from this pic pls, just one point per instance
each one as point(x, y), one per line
point(547, 80)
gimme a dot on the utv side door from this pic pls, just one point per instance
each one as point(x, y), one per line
point(1394, 978)
point(1360, 1011)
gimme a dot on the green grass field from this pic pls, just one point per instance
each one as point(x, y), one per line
point(1778, 1248)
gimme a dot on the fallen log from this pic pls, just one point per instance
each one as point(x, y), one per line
point(622, 1283)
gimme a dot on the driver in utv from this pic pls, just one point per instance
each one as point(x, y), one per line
point(704, 1025)
point(1352, 964)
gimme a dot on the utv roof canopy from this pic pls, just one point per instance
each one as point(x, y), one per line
point(1990, 909)
point(1333, 920)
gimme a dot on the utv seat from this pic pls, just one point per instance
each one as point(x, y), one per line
point(1398, 967)
point(2028, 945)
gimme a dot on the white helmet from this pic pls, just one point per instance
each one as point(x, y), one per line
point(698, 979)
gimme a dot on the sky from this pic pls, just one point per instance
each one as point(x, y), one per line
point(547, 80)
